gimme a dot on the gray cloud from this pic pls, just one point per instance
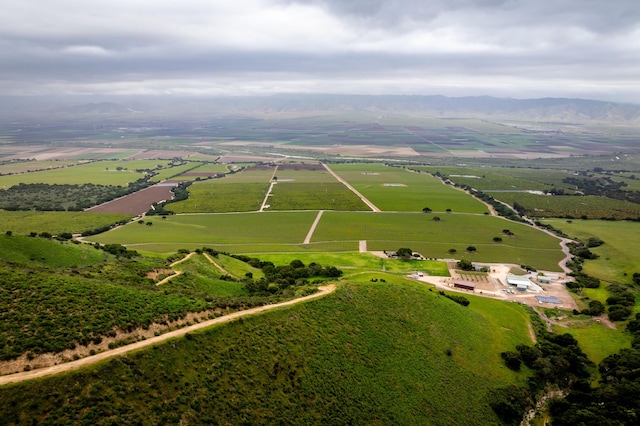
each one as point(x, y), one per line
point(501, 47)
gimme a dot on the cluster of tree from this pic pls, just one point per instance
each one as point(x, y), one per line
point(280, 277)
point(117, 250)
point(614, 401)
point(460, 300)
point(102, 229)
point(580, 253)
point(465, 265)
point(620, 305)
point(605, 187)
point(556, 360)
point(63, 197)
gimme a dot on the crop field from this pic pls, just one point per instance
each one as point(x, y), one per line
point(620, 253)
point(395, 189)
point(55, 223)
point(212, 196)
point(569, 206)
point(100, 173)
point(351, 357)
point(390, 231)
point(221, 231)
point(502, 179)
point(171, 172)
point(208, 169)
point(314, 196)
point(238, 192)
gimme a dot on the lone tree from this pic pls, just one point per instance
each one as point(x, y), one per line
point(465, 265)
point(471, 249)
point(426, 210)
point(436, 219)
point(497, 239)
point(404, 253)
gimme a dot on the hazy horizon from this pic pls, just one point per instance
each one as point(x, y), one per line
point(503, 48)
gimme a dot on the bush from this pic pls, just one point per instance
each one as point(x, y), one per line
point(512, 360)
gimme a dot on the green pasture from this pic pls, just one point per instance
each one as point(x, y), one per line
point(41, 251)
point(237, 268)
point(598, 341)
point(314, 196)
point(32, 166)
point(25, 222)
point(215, 196)
point(356, 263)
point(397, 189)
point(99, 173)
point(222, 231)
point(371, 353)
point(418, 231)
point(590, 206)
point(620, 253)
point(201, 278)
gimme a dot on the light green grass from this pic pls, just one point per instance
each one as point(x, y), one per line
point(418, 190)
point(202, 278)
point(598, 341)
point(41, 251)
point(31, 166)
point(173, 172)
point(619, 255)
point(25, 222)
point(305, 176)
point(99, 173)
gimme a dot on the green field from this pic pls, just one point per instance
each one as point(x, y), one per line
point(239, 192)
point(40, 251)
point(396, 189)
point(341, 231)
point(598, 341)
point(99, 172)
point(25, 222)
point(221, 231)
point(368, 354)
point(570, 206)
point(314, 196)
point(31, 166)
point(620, 253)
point(390, 231)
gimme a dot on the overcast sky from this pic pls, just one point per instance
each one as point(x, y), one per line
point(515, 48)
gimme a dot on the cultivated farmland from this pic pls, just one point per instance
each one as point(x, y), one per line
point(396, 189)
point(239, 192)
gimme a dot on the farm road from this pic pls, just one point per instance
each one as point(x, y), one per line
point(175, 273)
point(75, 365)
point(268, 194)
point(352, 189)
point(307, 239)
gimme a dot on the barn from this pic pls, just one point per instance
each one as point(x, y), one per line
point(465, 285)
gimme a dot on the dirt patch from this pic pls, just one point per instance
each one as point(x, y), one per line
point(138, 202)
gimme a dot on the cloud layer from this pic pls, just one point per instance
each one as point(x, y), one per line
point(518, 48)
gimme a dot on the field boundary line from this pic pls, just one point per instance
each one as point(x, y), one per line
point(352, 189)
point(268, 194)
point(307, 239)
point(93, 359)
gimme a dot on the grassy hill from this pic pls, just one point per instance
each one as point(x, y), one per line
point(389, 352)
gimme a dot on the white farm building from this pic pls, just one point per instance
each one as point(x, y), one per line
point(522, 283)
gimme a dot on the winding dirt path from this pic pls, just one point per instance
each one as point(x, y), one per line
point(90, 360)
point(217, 265)
point(175, 273)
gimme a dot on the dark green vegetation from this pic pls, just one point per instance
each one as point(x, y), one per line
point(57, 295)
point(314, 196)
point(352, 357)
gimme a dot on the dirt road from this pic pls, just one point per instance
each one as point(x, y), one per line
point(75, 365)
point(352, 189)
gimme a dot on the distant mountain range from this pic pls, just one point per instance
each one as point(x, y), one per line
point(563, 110)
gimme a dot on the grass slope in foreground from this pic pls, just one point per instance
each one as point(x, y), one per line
point(369, 353)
